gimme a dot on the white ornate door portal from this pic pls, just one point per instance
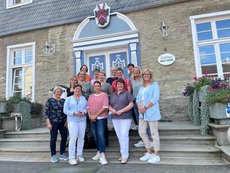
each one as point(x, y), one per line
point(106, 59)
point(103, 47)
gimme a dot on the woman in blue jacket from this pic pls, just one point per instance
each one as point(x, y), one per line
point(148, 106)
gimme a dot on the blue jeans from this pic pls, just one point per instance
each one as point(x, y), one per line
point(53, 137)
point(98, 129)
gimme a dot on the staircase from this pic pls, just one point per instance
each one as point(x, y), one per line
point(181, 143)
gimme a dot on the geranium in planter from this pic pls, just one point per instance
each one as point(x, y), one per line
point(202, 81)
point(218, 99)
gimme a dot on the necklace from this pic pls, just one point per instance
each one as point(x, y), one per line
point(77, 100)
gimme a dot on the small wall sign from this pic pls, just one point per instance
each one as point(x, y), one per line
point(166, 59)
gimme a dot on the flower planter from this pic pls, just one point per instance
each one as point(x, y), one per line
point(218, 112)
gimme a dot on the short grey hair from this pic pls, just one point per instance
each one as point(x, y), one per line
point(57, 88)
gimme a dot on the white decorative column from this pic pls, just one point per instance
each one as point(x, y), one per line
point(133, 53)
point(77, 61)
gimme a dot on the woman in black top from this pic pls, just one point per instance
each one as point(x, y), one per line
point(56, 120)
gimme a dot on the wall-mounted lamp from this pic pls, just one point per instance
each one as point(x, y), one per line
point(164, 29)
point(49, 48)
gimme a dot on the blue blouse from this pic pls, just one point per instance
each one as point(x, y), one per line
point(75, 105)
point(150, 94)
point(54, 110)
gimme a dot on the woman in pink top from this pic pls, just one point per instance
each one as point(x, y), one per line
point(98, 113)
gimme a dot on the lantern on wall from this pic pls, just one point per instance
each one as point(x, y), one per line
point(164, 29)
point(49, 48)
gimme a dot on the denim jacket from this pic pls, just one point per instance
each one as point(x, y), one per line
point(152, 94)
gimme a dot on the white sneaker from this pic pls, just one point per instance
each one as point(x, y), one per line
point(154, 159)
point(72, 161)
point(139, 144)
point(146, 157)
point(97, 156)
point(103, 160)
point(80, 159)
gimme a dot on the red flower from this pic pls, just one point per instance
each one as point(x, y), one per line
point(206, 73)
point(195, 78)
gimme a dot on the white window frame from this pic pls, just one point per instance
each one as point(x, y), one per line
point(12, 4)
point(10, 66)
point(210, 17)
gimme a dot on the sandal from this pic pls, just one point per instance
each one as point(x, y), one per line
point(124, 160)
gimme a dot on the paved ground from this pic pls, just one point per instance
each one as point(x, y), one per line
point(22, 167)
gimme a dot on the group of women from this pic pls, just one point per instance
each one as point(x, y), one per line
point(139, 95)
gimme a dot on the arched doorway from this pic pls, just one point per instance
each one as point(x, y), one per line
point(103, 48)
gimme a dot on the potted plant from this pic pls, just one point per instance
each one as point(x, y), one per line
point(218, 100)
point(200, 82)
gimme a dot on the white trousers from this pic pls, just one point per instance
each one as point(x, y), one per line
point(122, 127)
point(76, 133)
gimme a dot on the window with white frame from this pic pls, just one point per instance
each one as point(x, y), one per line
point(20, 70)
point(16, 3)
point(211, 41)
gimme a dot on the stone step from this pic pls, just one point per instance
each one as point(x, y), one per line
point(181, 143)
point(165, 129)
point(41, 157)
point(2, 133)
point(173, 139)
point(166, 150)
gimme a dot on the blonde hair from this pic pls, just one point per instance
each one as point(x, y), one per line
point(137, 67)
point(72, 78)
point(151, 76)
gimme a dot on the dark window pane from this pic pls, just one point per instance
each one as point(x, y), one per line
point(223, 33)
point(210, 69)
point(203, 27)
point(226, 68)
point(18, 1)
point(223, 24)
point(204, 36)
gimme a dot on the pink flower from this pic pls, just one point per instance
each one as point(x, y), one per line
point(206, 73)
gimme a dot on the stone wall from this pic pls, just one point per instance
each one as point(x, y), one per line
point(58, 67)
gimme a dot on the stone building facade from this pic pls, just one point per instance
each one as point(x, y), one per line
point(56, 68)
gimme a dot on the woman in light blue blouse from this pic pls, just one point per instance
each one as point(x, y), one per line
point(75, 109)
point(147, 102)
